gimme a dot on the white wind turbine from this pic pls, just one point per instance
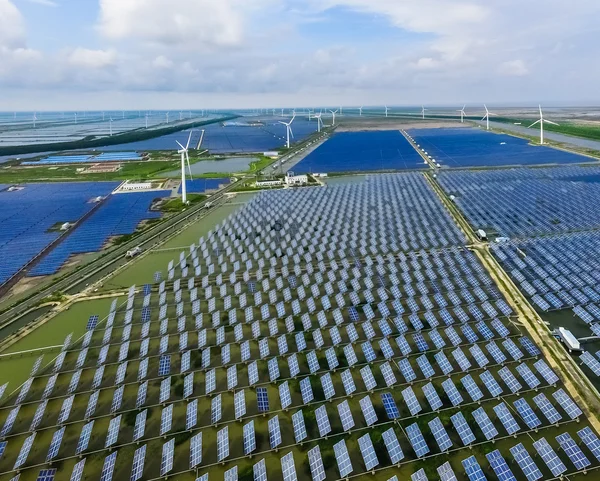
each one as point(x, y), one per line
point(360, 111)
point(462, 114)
point(288, 127)
point(110, 121)
point(75, 117)
point(541, 121)
point(167, 117)
point(486, 117)
point(333, 112)
point(146, 120)
point(34, 119)
point(386, 110)
point(180, 115)
point(184, 157)
point(319, 121)
point(423, 110)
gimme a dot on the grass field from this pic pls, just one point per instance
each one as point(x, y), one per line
point(16, 369)
point(143, 270)
point(567, 127)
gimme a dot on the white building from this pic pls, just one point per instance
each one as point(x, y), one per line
point(291, 179)
point(268, 183)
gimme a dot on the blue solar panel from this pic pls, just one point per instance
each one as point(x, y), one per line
point(360, 151)
point(262, 399)
point(164, 366)
point(391, 409)
point(46, 475)
point(92, 323)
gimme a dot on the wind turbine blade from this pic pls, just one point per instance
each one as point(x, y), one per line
point(182, 147)
point(535, 123)
point(550, 122)
point(187, 157)
point(484, 117)
point(282, 123)
point(291, 132)
point(189, 139)
point(201, 139)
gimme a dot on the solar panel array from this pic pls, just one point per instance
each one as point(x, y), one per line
point(411, 353)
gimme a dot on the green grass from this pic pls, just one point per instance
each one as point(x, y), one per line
point(260, 164)
point(15, 370)
point(176, 205)
point(566, 127)
point(129, 170)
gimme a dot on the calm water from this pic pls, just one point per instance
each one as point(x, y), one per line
point(230, 165)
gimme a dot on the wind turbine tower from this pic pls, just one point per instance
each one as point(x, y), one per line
point(184, 156)
point(288, 127)
point(333, 112)
point(541, 121)
point(486, 117)
point(423, 110)
point(462, 114)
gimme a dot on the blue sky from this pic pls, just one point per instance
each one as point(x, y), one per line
point(104, 54)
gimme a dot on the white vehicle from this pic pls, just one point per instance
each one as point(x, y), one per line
point(134, 252)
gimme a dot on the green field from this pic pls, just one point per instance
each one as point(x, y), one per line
point(566, 127)
point(16, 369)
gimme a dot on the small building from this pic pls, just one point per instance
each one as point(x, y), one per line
point(568, 339)
point(271, 155)
point(291, 179)
point(65, 226)
point(481, 234)
point(136, 186)
point(269, 183)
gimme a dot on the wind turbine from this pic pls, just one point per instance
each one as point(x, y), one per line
point(282, 112)
point(319, 121)
point(341, 110)
point(34, 119)
point(180, 115)
point(360, 111)
point(333, 112)
point(110, 121)
point(486, 117)
point(167, 117)
point(184, 156)
point(386, 111)
point(146, 120)
point(541, 122)
point(288, 127)
point(75, 117)
point(462, 114)
point(423, 110)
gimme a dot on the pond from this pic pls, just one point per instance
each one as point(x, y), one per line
point(228, 165)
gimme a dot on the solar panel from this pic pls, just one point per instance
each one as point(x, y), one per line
point(393, 446)
point(452, 392)
point(342, 458)
point(506, 418)
point(164, 366)
point(315, 462)
point(368, 378)
point(446, 473)
point(391, 409)
point(498, 464)
point(486, 426)
point(345, 415)
point(274, 432)
point(417, 441)
point(57, 438)
point(549, 457)
point(288, 469)
point(590, 439)
point(166, 462)
point(528, 415)
point(490, 383)
point(77, 472)
point(573, 451)
point(46, 475)
point(368, 410)
point(222, 444)
point(108, 467)
point(523, 459)
point(348, 382)
point(299, 427)
point(239, 402)
point(10, 421)
point(419, 476)
point(565, 402)
point(546, 372)
point(473, 470)
point(322, 421)
point(472, 388)
point(139, 459)
point(113, 431)
point(249, 438)
point(368, 452)
point(548, 410)
point(462, 428)
point(140, 425)
point(440, 434)
point(432, 396)
point(259, 470)
point(84, 437)
point(141, 394)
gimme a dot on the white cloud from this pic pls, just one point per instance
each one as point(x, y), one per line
point(162, 62)
point(95, 59)
point(197, 24)
point(45, 3)
point(12, 28)
point(515, 68)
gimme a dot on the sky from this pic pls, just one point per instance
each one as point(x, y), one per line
point(192, 54)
